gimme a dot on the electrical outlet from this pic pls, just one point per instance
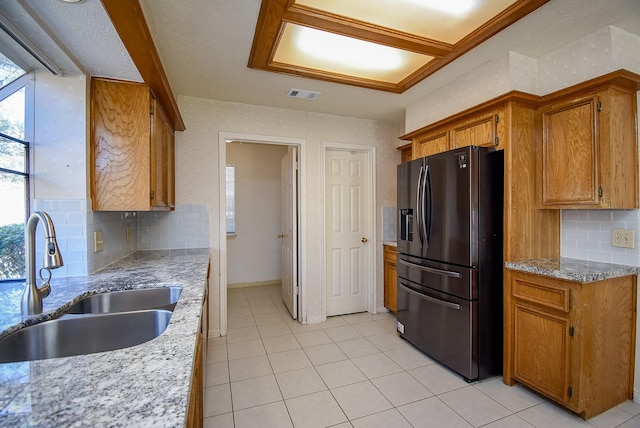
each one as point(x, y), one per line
point(98, 241)
point(622, 238)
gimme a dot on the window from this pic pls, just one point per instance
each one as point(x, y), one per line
point(231, 199)
point(14, 170)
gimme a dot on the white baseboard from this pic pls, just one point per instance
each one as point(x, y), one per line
point(254, 284)
point(315, 320)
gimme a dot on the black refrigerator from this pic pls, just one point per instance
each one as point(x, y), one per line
point(450, 259)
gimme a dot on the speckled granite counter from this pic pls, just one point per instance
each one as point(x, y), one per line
point(572, 269)
point(144, 385)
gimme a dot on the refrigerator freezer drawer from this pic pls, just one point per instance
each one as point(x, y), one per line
point(442, 326)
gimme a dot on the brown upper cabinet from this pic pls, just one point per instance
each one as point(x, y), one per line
point(588, 155)
point(507, 123)
point(405, 152)
point(431, 143)
point(484, 128)
point(132, 149)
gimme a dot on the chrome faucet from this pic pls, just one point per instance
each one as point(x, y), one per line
point(33, 295)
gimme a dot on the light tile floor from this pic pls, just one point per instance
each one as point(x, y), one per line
point(355, 371)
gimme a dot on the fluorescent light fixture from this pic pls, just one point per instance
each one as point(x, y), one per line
point(452, 7)
point(344, 50)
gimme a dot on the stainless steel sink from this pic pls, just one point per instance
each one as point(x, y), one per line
point(83, 334)
point(128, 300)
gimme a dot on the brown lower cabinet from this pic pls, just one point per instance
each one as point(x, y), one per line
point(571, 342)
point(195, 415)
point(390, 278)
point(195, 409)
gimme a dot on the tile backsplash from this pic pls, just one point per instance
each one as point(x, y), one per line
point(186, 227)
point(389, 223)
point(586, 234)
point(75, 223)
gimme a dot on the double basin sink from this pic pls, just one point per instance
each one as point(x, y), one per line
point(97, 323)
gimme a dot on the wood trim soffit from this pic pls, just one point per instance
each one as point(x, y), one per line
point(128, 20)
point(622, 79)
point(513, 96)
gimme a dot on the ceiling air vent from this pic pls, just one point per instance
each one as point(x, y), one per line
point(303, 94)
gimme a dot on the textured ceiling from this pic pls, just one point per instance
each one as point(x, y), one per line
point(205, 45)
point(85, 31)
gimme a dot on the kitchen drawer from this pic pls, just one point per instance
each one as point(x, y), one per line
point(550, 296)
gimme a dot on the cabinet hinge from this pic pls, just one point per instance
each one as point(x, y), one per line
point(497, 141)
point(151, 109)
point(152, 195)
point(497, 118)
point(569, 392)
point(599, 105)
point(571, 331)
point(600, 192)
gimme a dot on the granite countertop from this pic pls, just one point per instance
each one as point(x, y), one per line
point(144, 385)
point(572, 269)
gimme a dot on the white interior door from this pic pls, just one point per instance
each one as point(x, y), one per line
point(289, 234)
point(348, 228)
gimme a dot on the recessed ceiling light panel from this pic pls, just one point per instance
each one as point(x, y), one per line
point(303, 94)
point(346, 51)
point(312, 49)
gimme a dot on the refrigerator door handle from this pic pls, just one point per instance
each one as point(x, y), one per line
point(419, 213)
point(427, 218)
point(430, 299)
point(430, 269)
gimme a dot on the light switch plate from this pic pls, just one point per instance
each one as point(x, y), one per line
point(622, 238)
point(98, 241)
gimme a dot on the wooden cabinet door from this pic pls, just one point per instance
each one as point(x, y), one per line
point(390, 280)
point(171, 165)
point(570, 149)
point(119, 146)
point(542, 351)
point(430, 144)
point(162, 157)
point(476, 132)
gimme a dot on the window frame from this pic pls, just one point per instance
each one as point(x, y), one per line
point(230, 185)
point(26, 81)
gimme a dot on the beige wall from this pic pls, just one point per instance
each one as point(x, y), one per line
point(254, 252)
point(197, 169)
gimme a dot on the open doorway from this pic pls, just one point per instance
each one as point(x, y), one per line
point(257, 252)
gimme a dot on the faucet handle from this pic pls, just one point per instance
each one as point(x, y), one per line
point(45, 289)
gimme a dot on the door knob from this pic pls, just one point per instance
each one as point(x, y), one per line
point(280, 235)
point(364, 240)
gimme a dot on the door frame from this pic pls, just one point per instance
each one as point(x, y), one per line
point(300, 143)
point(373, 280)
